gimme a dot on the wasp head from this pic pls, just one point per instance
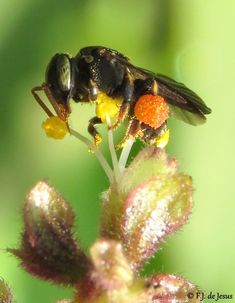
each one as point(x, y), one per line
point(60, 80)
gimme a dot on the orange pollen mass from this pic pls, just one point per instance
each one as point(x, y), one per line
point(152, 110)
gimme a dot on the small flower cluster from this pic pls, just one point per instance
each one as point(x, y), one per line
point(146, 202)
point(150, 201)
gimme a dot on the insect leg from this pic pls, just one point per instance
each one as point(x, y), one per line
point(158, 137)
point(132, 131)
point(128, 91)
point(93, 131)
point(62, 110)
point(59, 109)
point(39, 100)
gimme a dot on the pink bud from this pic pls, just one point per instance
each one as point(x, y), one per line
point(154, 209)
point(165, 288)
point(151, 201)
point(48, 249)
point(111, 269)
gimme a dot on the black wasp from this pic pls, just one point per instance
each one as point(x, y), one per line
point(145, 97)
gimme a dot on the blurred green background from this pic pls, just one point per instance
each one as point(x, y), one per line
point(192, 41)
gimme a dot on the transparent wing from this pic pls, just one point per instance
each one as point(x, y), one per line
point(184, 103)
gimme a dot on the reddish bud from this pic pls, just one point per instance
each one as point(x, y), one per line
point(48, 249)
point(165, 288)
point(111, 269)
point(153, 210)
point(150, 162)
point(151, 201)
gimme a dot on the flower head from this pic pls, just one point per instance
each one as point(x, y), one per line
point(146, 201)
point(151, 201)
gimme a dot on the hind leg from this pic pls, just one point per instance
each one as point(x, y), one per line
point(132, 132)
point(158, 137)
point(93, 131)
point(128, 91)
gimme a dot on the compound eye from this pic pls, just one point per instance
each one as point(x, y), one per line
point(64, 72)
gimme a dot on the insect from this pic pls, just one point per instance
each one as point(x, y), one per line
point(145, 98)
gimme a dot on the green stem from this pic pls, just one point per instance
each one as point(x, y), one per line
point(125, 154)
point(97, 152)
point(115, 163)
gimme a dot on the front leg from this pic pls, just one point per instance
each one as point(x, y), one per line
point(128, 90)
point(93, 131)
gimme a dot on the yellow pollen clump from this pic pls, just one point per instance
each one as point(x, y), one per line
point(162, 140)
point(55, 127)
point(107, 106)
point(98, 139)
point(152, 110)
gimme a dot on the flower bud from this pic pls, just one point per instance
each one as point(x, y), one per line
point(165, 288)
point(111, 269)
point(48, 249)
point(151, 201)
point(153, 210)
point(161, 288)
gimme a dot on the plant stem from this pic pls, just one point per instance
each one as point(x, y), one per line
point(97, 152)
point(115, 163)
point(125, 154)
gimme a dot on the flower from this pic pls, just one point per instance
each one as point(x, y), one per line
point(150, 200)
point(48, 248)
point(146, 201)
